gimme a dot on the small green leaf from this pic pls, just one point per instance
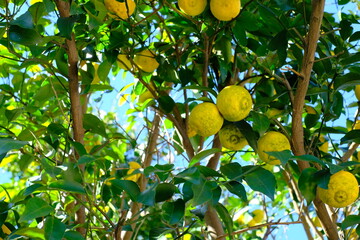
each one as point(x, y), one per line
point(25, 21)
point(130, 187)
point(202, 192)
point(174, 211)
point(7, 144)
point(85, 159)
point(166, 103)
point(66, 24)
point(67, 185)
point(147, 197)
point(73, 235)
point(260, 179)
point(54, 228)
point(94, 124)
point(24, 36)
point(29, 232)
point(56, 128)
point(249, 133)
point(237, 188)
point(347, 80)
point(307, 184)
point(232, 170)
point(308, 158)
point(352, 136)
point(225, 217)
point(208, 172)
point(34, 208)
point(283, 156)
point(203, 154)
point(349, 221)
point(191, 174)
point(164, 191)
point(260, 122)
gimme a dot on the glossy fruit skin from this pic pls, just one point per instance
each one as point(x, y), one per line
point(357, 92)
point(343, 190)
point(231, 138)
point(192, 7)
point(234, 103)
point(205, 120)
point(272, 141)
point(146, 61)
point(123, 62)
point(225, 10)
point(122, 9)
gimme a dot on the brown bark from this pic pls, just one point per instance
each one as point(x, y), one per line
point(299, 101)
point(75, 108)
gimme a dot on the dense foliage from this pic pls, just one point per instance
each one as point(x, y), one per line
point(73, 116)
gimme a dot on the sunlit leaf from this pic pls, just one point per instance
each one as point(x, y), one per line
point(34, 208)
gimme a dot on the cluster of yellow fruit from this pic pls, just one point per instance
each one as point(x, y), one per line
point(122, 10)
point(233, 103)
point(222, 10)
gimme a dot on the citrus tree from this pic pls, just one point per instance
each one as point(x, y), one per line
point(166, 119)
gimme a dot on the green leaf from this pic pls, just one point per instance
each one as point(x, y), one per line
point(174, 211)
point(50, 168)
point(147, 197)
point(283, 156)
point(260, 122)
point(308, 158)
point(66, 24)
point(260, 179)
point(166, 103)
point(7, 144)
point(85, 159)
point(69, 186)
point(203, 154)
point(345, 29)
point(225, 217)
point(164, 191)
point(208, 172)
point(24, 36)
point(237, 188)
point(349, 221)
point(94, 124)
point(307, 184)
point(232, 170)
point(352, 136)
point(130, 187)
point(34, 208)
point(103, 72)
point(30, 232)
point(348, 80)
point(54, 228)
point(24, 21)
point(56, 128)
point(249, 133)
point(202, 192)
point(191, 174)
point(239, 33)
point(73, 235)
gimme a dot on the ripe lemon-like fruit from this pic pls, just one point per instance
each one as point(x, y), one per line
point(192, 7)
point(343, 190)
point(234, 103)
point(357, 125)
point(225, 10)
point(133, 177)
point(122, 9)
point(272, 142)
point(310, 109)
point(324, 147)
point(273, 113)
point(241, 219)
point(258, 215)
point(146, 61)
point(145, 96)
point(205, 120)
point(231, 138)
point(123, 62)
point(252, 223)
point(357, 92)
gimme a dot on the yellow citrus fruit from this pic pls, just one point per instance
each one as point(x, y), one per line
point(192, 7)
point(123, 62)
point(225, 10)
point(258, 215)
point(273, 113)
point(343, 190)
point(133, 177)
point(96, 79)
point(357, 92)
point(146, 61)
point(357, 125)
point(231, 138)
point(234, 103)
point(241, 219)
point(145, 96)
point(122, 9)
point(272, 142)
point(252, 223)
point(5, 229)
point(187, 236)
point(205, 119)
point(353, 235)
point(324, 147)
